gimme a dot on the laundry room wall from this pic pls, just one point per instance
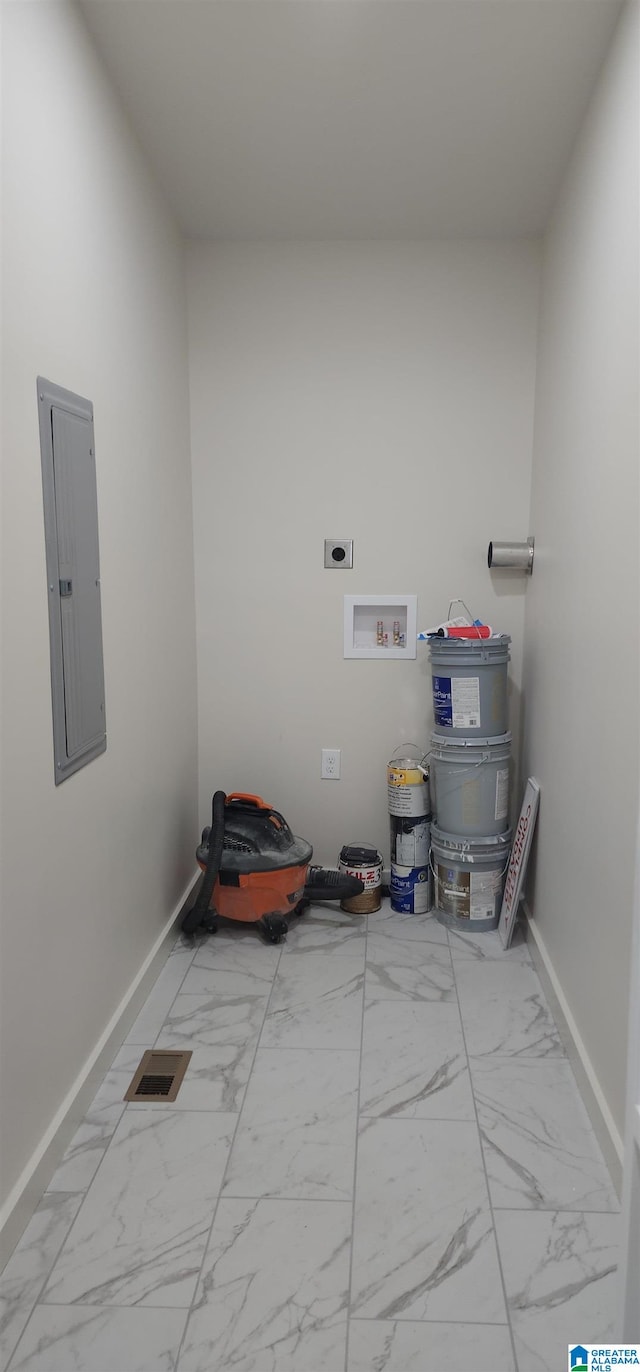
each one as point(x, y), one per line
point(94, 300)
point(581, 684)
point(380, 392)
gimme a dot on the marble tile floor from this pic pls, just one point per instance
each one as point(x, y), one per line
point(378, 1161)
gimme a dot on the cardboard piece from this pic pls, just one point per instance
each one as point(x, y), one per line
point(518, 860)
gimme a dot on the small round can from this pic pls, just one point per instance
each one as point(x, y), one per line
point(365, 863)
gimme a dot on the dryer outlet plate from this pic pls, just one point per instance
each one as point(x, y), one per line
point(338, 552)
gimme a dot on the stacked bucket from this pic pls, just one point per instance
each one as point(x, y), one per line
point(411, 885)
point(469, 772)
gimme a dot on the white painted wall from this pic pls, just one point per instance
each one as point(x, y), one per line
point(377, 392)
point(94, 300)
point(581, 662)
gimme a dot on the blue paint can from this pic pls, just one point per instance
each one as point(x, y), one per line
point(411, 889)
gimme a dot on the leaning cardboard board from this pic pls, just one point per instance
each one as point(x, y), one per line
point(518, 861)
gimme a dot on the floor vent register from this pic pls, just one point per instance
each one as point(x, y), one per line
point(158, 1075)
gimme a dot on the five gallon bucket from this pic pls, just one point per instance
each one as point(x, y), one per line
point(470, 686)
point(469, 876)
point(359, 860)
point(470, 781)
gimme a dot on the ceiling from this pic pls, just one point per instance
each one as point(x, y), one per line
point(316, 119)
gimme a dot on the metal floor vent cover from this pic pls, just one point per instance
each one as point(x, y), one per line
point(158, 1075)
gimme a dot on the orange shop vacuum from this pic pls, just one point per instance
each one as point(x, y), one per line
point(257, 871)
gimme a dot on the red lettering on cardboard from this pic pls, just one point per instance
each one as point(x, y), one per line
point(516, 856)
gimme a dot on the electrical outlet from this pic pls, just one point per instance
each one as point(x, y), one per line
point(338, 552)
point(330, 764)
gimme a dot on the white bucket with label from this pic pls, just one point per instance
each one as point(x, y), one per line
point(411, 889)
point(469, 878)
point(470, 783)
point(469, 678)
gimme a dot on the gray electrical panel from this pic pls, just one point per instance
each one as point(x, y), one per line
point(73, 577)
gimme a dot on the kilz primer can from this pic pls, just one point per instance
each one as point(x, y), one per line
point(365, 863)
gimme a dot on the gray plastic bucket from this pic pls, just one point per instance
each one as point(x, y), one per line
point(469, 680)
point(469, 878)
point(470, 784)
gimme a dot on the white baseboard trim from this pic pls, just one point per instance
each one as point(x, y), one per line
point(602, 1120)
point(44, 1159)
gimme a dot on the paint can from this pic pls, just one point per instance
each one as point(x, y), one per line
point(364, 862)
point(409, 810)
point(410, 840)
point(469, 680)
point(411, 889)
point(407, 787)
point(469, 876)
point(470, 782)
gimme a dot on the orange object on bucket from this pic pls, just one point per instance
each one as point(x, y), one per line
point(466, 631)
